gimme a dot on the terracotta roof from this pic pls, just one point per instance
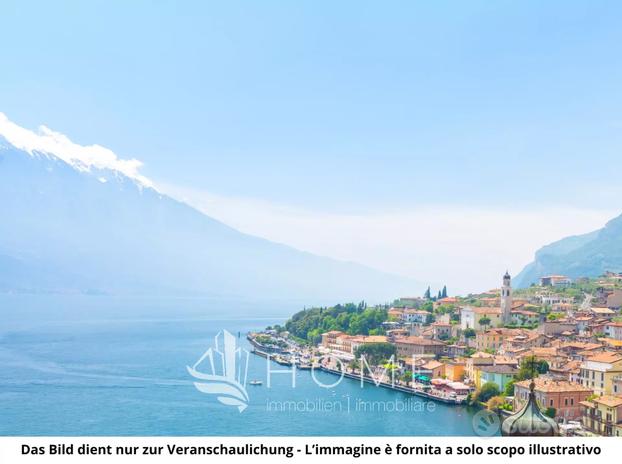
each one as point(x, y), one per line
point(484, 310)
point(418, 341)
point(606, 357)
point(432, 365)
point(505, 332)
point(524, 312)
point(609, 401)
point(598, 310)
point(499, 369)
point(581, 345)
point(416, 311)
point(550, 386)
point(506, 360)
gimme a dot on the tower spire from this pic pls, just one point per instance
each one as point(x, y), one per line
point(506, 299)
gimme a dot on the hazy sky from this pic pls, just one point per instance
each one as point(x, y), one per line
point(440, 140)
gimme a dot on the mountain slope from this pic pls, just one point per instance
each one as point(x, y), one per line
point(88, 228)
point(587, 255)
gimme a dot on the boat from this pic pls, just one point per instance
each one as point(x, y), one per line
point(282, 361)
point(256, 382)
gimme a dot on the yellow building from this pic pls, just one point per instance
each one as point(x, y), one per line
point(603, 415)
point(473, 363)
point(598, 372)
point(455, 370)
point(492, 339)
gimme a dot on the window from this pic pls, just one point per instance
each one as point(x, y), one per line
point(565, 401)
point(551, 402)
point(572, 401)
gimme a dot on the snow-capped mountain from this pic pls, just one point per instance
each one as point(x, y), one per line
point(80, 219)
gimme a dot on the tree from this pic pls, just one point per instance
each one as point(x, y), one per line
point(550, 412)
point(495, 403)
point(427, 306)
point(509, 388)
point(430, 318)
point(407, 377)
point(440, 295)
point(427, 294)
point(444, 292)
point(375, 353)
point(485, 321)
point(354, 365)
point(531, 367)
point(488, 390)
point(469, 333)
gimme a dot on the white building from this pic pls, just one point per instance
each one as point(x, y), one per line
point(506, 299)
point(614, 330)
point(414, 316)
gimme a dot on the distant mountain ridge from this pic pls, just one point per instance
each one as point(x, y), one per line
point(89, 228)
point(587, 255)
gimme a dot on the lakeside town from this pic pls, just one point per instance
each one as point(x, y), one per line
point(550, 353)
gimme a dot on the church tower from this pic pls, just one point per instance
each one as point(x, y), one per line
point(506, 299)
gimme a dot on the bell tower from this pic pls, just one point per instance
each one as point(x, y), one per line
point(506, 299)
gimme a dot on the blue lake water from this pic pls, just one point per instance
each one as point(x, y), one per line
point(99, 366)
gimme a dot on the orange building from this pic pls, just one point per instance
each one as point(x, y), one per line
point(564, 396)
point(455, 370)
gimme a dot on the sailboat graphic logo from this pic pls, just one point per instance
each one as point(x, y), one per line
point(228, 372)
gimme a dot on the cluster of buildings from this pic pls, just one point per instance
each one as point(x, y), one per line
point(486, 339)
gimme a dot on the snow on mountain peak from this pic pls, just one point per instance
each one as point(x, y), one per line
point(82, 158)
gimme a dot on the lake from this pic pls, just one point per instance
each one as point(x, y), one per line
point(105, 366)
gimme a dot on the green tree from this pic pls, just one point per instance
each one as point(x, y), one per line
point(485, 321)
point(375, 353)
point(427, 306)
point(531, 367)
point(550, 412)
point(444, 292)
point(509, 388)
point(488, 390)
point(469, 333)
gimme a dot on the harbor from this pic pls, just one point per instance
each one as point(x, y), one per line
point(303, 358)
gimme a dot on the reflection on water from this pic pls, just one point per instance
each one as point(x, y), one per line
point(84, 374)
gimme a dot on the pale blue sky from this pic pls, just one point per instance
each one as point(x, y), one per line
point(336, 107)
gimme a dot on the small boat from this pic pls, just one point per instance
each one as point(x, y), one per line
point(256, 382)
